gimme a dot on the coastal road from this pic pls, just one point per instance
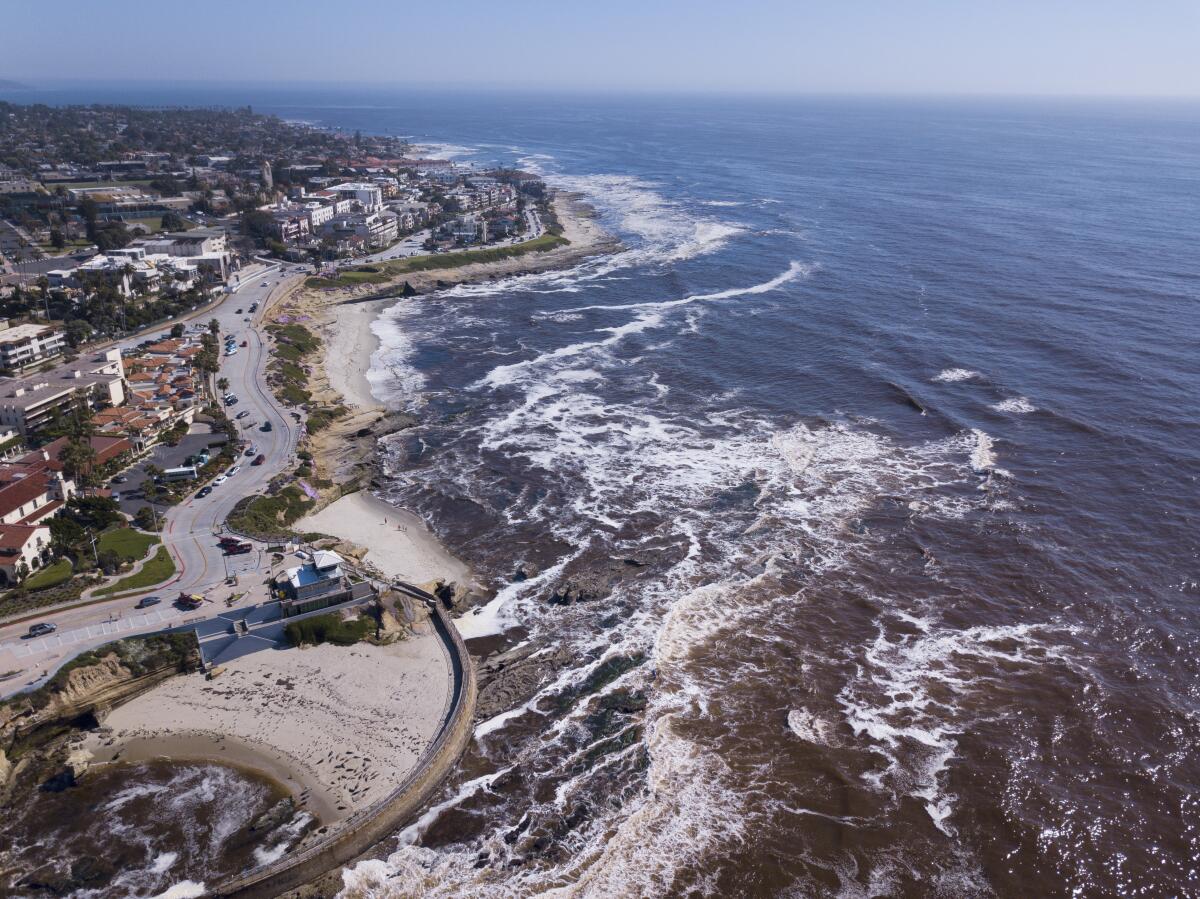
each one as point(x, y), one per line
point(189, 529)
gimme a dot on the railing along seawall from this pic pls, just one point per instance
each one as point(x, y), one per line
point(356, 834)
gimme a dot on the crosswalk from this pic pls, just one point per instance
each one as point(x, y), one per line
point(150, 619)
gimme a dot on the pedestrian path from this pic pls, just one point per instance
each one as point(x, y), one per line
point(150, 618)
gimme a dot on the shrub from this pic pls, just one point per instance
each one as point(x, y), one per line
point(329, 628)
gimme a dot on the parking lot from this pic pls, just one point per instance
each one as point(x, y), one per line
point(133, 490)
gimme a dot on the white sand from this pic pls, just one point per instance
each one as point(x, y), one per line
point(350, 342)
point(340, 726)
point(399, 543)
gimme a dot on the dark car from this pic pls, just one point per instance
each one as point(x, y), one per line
point(203, 492)
point(238, 549)
point(259, 459)
point(244, 343)
point(40, 630)
point(147, 601)
point(232, 401)
point(120, 479)
point(242, 414)
point(237, 312)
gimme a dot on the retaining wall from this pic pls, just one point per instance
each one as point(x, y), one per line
point(358, 833)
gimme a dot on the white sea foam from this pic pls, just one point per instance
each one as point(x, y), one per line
point(185, 889)
point(163, 861)
point(652, 315)
point(433, 150)
point(1015, 405)
point(983, 456)
point(809, 727)
point(908, 700)
point(952, 375)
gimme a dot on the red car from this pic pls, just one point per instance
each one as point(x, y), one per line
point(238, 549)
point(244, 343)
point(259, 459)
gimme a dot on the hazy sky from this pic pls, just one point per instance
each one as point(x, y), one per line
point(1101, 47)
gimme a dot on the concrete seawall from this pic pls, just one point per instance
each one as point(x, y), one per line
point(358, 833)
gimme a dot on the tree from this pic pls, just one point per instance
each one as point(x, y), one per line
point(177, 330)
point(77, 458)
point(56, 239)
point(222, 384)
point(173, 221)
point(214, 328)
point(146, 519)
point(66, 535)
point(109, 561)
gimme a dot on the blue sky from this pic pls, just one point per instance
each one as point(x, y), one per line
point(1100, 47)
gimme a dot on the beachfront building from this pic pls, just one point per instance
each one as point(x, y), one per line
point(28, 404)
point(27, 346)
point(317, 585)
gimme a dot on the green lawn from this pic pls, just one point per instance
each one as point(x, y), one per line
point(157, 570)
point(127, 543)
point(50, 576)
point(384, 271)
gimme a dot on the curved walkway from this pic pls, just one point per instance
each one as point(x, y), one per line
point(350, 838)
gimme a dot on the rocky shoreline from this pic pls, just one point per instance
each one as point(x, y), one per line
point(346, 451)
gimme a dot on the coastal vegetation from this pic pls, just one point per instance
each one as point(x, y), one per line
point(128, 544)
point(383, 272)
point(270, 516)
point(330, 628)
point(137, 655)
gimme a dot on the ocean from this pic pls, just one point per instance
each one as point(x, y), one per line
point(872, 459)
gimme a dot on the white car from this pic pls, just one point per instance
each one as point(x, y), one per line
point(233, 471)
point(232, 351)
point(220, 479)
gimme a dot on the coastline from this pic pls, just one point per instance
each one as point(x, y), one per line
point(345, 451)
point(335, 732)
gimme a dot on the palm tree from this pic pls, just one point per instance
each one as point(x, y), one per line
point(222, 384)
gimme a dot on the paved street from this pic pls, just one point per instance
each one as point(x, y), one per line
point(189, 529)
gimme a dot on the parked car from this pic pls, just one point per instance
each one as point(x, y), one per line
point(147, 601)
point(41, 629)
point(231, 401)
point(238, 549)
point(203, 492)
point(120, 479)
point(244, 343)
point(232, 351)
point(233, 471)
point(219, 480)
point(237, 311)
point(251, 451)
point(254, 307)
point(259, 459)
point(242, 414)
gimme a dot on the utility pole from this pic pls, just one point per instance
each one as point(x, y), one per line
point(94, 552)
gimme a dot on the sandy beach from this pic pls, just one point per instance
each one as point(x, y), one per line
point(338, 726)
point(397, 541)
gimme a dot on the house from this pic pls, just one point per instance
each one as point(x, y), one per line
point(317, 585)
point(27, 346)
point(23, 548)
